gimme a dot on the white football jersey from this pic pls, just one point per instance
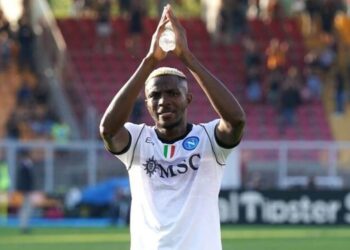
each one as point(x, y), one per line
point(174, 189)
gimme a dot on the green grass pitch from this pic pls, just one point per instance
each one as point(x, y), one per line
point(234, 237)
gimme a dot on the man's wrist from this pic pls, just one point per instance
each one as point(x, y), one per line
point(149, 59)
point(188, 58)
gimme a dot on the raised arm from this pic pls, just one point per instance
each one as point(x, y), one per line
point(112, 130)
point(232, 117)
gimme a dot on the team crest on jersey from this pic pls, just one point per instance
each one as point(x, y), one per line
point(190, 143)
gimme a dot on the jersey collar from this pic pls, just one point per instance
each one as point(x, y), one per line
point(188, 130)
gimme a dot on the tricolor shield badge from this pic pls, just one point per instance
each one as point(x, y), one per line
point(168, 151)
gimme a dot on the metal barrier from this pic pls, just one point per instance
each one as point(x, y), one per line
point(286, 164)
point(58, 167)
point(280, 164)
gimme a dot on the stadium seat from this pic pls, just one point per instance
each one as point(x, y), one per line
point(102, 75)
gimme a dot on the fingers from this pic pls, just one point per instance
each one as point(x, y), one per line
point(170, 16)
point(155, 51)
point(163, 19)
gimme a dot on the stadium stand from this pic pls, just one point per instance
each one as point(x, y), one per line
point(100, 74)
point(26, 114)
point(103, 74)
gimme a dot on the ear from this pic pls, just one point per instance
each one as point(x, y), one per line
point(189, 98)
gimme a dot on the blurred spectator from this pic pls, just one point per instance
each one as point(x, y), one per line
point(41, 93)
point(60, 132)
point(89, 8)
point(31, 119)
point(274, 83)
point(263, 8)
point(253, 9)
point(26, 38)
point(25, 94)
point(289, 100)
point(103, 26)
point(24, 115)
point(342, 24)
point(25, 185)
point(12, 129)
point(253, 58)
point(328, 54)
point(124, 8)
point(328, 12)
point(135, 26)
point(270, 10)
point(297, 8)
point(225, 22)
point(276, 54)
point(311, 59)
point(4, 24)
point(5, 51)
point(4, 187)
point(295, 78)
point(232, 20)
point(4, 173)
point(77, 8)
point(312, 22)
point(211, 15)
point(313, 83)
point(340, 94)
point(41, 121)
point(274, 10)
point(254, 90)
point(5, 42)
point(347, 6)
point(253, 65)
point(238, 19)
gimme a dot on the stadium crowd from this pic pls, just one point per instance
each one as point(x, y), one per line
point(267, 62)
point(32, 117)
point(270, 75)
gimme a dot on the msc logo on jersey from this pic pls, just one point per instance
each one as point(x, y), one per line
point(152, 166)
point(190, 143)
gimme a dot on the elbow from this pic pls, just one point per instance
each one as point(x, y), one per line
point(240, 125)
point(240, 120)
point(105, 133)
point(236, 120)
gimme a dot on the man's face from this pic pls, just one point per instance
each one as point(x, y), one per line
point(167, 99)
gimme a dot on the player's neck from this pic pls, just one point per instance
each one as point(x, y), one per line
point(171, 135)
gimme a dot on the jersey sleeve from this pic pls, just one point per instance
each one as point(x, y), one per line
point(221, 153)
point(135, 132)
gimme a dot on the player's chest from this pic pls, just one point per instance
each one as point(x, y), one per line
point(171, 160)
point(171, 151)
